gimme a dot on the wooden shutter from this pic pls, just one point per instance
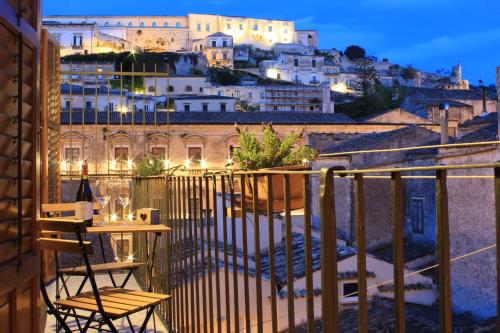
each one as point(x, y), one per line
point(19, 80)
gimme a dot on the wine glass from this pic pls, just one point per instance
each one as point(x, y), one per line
point(123, 192)
point(103, 192)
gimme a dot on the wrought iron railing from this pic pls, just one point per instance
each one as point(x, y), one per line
point(220, 261)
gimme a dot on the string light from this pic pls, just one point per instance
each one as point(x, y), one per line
point(130, 216)
point(305, 161)
point(80, 164)
point(113, 164)
point(187, 163)
point(203, 164)
point(114, 217)
point(123, 109)
point(131, 257)
point(130, 164)
point(229, 162)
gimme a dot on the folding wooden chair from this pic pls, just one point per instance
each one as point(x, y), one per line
point(104, 304)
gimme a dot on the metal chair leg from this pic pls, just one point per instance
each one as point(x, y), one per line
point(148, 315)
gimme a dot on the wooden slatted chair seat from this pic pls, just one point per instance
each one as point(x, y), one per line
point(117, 302)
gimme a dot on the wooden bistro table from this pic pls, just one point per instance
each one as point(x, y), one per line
point(121, 227)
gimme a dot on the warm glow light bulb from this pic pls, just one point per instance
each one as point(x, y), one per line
point(114, 217)
point(305, 161)
point(229, 161)
point(187, 163)
point(130, 217)
point(203, 164)
point(131, 257)
point(113, 164)
point(166, 164)
point(130, 164)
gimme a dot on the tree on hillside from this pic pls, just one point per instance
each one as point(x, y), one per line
point(367, 77)
point(355, 52)
point(408, 73)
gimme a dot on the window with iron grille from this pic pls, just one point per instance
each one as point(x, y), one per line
point(72, 154)
point(417, 215)
point(121, 153)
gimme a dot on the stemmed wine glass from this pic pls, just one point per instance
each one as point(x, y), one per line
point(123, 192)
point(103, 192)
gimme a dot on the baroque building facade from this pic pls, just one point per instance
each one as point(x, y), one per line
point(99, 34)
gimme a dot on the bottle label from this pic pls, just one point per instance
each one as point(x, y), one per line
point(83, 210)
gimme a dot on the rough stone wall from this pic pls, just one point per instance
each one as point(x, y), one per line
point(472, 227)
point(164, 39)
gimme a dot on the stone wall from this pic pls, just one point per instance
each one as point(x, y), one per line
point(498, 88)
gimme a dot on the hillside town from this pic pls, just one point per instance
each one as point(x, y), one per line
point(244, 178)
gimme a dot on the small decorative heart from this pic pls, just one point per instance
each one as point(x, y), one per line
point(144, 217)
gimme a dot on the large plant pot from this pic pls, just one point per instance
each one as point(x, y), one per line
point(278, 191)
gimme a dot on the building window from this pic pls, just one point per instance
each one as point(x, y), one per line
point(241, 26)
point(188, 89)
point(313, 63)
point(129, 24)
point(285, 31)
point(224, 43)
point(177, 24)
point(165, 24)
point(57, 38)
point(88, 105)
point(256, 27)
point(187, 107)
point(77, 40)
point(198, 27)
point(214, 56)
point(201, 89)
point(146, 107)
point(205, 107)
point(194, 155)
point(68, 105)
point(314, 78)
point(207, 27)
point(223, 107)
point(119, 24)
point(106, 23)
point(214, 43)
point(171, 88)
point(296, 78)
point(275, 108)
point(121, 153)
point(111, 106)
point(278, 76)
point(350, 290)
point(141, 25)
point(159, 152)
point(224, 56)
point(296, 62)
point(154, 24)
point(72, 154)
point(228, 26)
point(270, 29)
point(417, 215)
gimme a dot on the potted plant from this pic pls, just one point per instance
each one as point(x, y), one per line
point(150, 166)
point(274, 152)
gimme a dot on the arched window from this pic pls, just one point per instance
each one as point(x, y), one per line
point(142, 24)
point(165, 24)
point(178, 25)
point(130, 24)
point(188, 89)
point(154, 24)
point(106, 23)
point(119, 24)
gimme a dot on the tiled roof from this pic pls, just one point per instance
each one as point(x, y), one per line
point(374, 140)
point(215, 118)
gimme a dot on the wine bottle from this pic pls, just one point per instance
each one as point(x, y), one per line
point(84, 198)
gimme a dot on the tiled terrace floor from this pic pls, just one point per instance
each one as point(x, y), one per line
point(121, 324)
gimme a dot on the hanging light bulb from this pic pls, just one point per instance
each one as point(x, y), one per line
point(203, 164)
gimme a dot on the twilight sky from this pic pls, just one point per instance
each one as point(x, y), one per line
point(430, 34)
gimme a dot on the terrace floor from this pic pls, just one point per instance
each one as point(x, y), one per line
point(103, 280)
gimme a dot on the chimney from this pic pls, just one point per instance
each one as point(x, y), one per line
point(443, 113)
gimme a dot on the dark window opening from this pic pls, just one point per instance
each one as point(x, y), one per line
point(350, 290)
point(417, 215)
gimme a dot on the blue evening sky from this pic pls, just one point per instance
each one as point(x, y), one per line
point(430, 34)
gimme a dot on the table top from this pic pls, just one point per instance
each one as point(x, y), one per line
point(119, 227)
point(130, 227)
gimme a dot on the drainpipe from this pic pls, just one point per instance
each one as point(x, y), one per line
point(443, 112)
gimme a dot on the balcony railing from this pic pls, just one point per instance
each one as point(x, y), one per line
point(226, 260)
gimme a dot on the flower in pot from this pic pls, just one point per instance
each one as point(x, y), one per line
point(274, 152)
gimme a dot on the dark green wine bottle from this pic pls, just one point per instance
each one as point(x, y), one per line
point(84, 198)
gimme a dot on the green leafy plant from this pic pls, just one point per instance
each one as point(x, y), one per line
point(149, 166)
point(272, 150)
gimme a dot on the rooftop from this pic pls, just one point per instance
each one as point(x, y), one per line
point(204, 97)
point(212, 118)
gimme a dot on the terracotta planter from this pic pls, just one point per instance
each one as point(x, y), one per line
point(296, 190)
